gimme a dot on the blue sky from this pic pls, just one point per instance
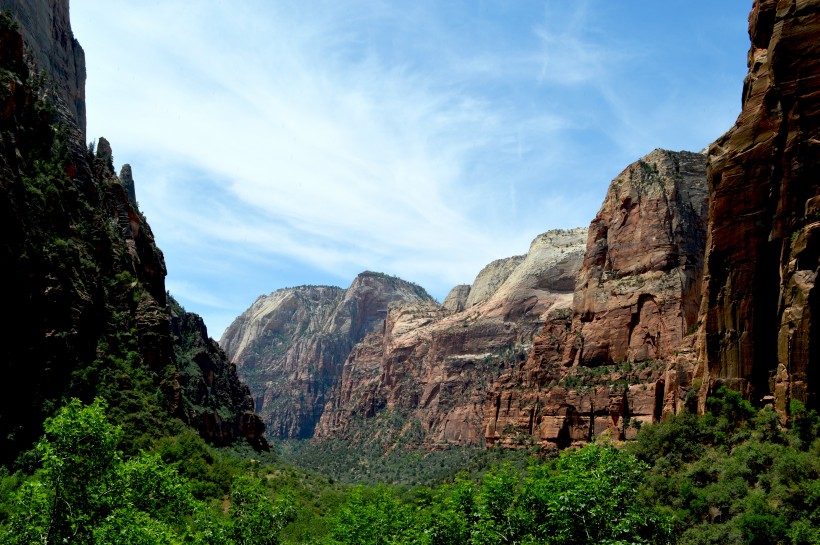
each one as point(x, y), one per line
point(280, 143)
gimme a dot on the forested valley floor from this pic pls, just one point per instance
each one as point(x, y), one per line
point(734, 475)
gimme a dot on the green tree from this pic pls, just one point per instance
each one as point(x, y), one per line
point(128, 526)
point(590, 496)
point(145, 483)
point(78, 453)
point(85, 492)
point(495, 518)
point(377, 518)
point(255, 518)
point(454, 514)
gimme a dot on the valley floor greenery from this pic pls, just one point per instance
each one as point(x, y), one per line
point(732, 476)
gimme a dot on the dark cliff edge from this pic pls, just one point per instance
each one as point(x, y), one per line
point(83, 283)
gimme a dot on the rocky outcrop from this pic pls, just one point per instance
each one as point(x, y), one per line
point(549, 268)
point(456, 300)
point(490, 279)
point(289, 346)
point(759, 331)
point(205, 390)
point(639, 289)
point(426, 373)
point(622, 353)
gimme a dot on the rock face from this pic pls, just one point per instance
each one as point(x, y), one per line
point(639, 289)
point(490, 279)
point(620, 353)
point(760, 331)
point(289, 346)
point(425, 375)
point(456, 300)
point(205, 390)
point(46, 31)
point(82, 277)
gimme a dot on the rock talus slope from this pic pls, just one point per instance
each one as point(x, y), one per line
point(426, 373)
point(289, 346)
point(760, 331)
point(621, 352)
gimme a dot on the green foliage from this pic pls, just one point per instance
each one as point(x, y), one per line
point(375, 517)
point(147, 484)
point(678, 439)
point(7, 21)
point(588, 496)
point(729, 404)
point(373, 460)
point(733, 477)
point(621, 375)
point(255, 518)
point(77, 456)
point(127, 526)
point(86, 492)
point(804, 423)
point(591, 496)
point(209, 475)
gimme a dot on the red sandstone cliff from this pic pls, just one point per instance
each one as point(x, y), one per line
point(760, 291)
point(52, 48)
point(428, 370)
point(639, 288)
point(619, 354)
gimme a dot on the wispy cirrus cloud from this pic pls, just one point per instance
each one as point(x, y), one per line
point(302, 142)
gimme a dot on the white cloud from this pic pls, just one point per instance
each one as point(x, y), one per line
point(342, 136)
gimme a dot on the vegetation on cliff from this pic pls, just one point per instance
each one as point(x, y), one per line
point(83, 286)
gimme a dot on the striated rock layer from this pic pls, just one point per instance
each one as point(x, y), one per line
point(760, 294)
point(289, 346)
point(426, 373)
point(621, 353)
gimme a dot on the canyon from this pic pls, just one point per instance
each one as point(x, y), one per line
point(429, 364)
point(699, 271)
point(536, 349)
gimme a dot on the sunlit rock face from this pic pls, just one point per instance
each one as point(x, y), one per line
point(622, 352)
point(759, 332)
point(424, 377)
point(639, 289)
point(456, 300)
point(289, 346)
